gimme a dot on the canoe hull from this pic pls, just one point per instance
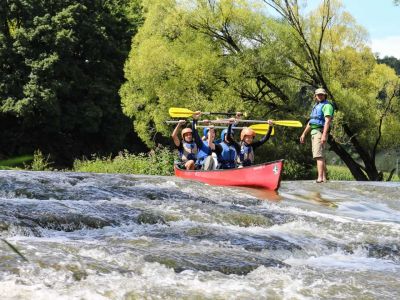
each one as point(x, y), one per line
point(267, 175)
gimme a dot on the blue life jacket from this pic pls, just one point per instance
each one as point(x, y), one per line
point(228, 156)
point(246, 155)
point(189, 151)
point(203, 152)
point(317, 115)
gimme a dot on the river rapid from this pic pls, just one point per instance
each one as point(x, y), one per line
point(103, 236)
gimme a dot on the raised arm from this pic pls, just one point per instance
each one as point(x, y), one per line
point(196, 136)
point(265, 137)
point(230, 138)
point(174, 134)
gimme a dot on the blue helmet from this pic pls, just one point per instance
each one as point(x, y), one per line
point(205, 131)
point(223, 134)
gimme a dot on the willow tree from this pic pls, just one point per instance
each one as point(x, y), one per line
point(172, 65)
point(267, 57)
point(334, 55)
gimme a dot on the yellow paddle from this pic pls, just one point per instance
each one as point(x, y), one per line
point(263, 129)
point(177, 112)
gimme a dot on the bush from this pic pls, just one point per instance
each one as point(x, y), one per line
point(40, 162)
point(293, 170)
point(156, 162)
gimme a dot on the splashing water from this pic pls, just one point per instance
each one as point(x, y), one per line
point(98, 236)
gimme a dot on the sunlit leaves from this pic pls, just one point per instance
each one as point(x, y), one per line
point(265, 59)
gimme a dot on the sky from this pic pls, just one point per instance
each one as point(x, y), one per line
point(381, 18)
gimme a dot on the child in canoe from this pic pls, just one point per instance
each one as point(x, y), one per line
point(226, 150)
point(232, 154)
point(248, 146)
point(193, 152)
point(205, 160)
point(186, 146)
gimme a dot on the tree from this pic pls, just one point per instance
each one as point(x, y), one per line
point(61, 65)
point(392, 62)
point(172, 65)
point(366, 92)
point(235, 54)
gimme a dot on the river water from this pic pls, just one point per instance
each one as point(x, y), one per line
point(101, 236)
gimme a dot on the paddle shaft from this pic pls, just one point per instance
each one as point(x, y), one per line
point(289, 123)
point(200, 122)
point(219, 127)
point(257, 130)
point(257, 127)
point(179, 112)
point(218, 113)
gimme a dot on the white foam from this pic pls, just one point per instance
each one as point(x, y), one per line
point(349, 262)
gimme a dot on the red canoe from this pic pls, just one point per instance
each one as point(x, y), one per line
point(267, 175)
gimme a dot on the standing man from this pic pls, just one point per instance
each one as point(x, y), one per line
point(320, 120)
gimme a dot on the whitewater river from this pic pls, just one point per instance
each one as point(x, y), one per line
point(101, 236)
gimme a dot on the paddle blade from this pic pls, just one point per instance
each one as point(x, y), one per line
point(263, 132)
point(262, 129)
point(289, 123)
point(177, 112)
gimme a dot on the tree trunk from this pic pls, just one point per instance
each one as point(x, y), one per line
point(368, 160)
point(391, 174)
point(353, 166)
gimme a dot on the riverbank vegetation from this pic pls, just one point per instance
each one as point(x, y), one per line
point(156, 162)
point(160, 162)
point(92, 78)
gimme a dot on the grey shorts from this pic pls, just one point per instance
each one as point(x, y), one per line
point(318, 150)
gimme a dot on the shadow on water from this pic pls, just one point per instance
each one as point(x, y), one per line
point(273, 196)
point(316, 198)
point(262, 194)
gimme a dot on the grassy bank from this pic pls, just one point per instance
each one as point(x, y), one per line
point(16, 162)
point(343, 173)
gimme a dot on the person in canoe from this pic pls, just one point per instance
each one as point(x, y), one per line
point(205, 160)
point(227, 150)
point(193, 152)
point(237, 118)
point(248, 146)
point(187, 147)
point(320, 120)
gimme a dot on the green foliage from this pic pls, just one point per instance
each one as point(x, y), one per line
point(156, 162)
point(391, 61)
point(40, 162)
point(172, 65)
point(235, 55)
point(61, 66)
point(293, 170)
point(343, 173)
point(339, 173)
